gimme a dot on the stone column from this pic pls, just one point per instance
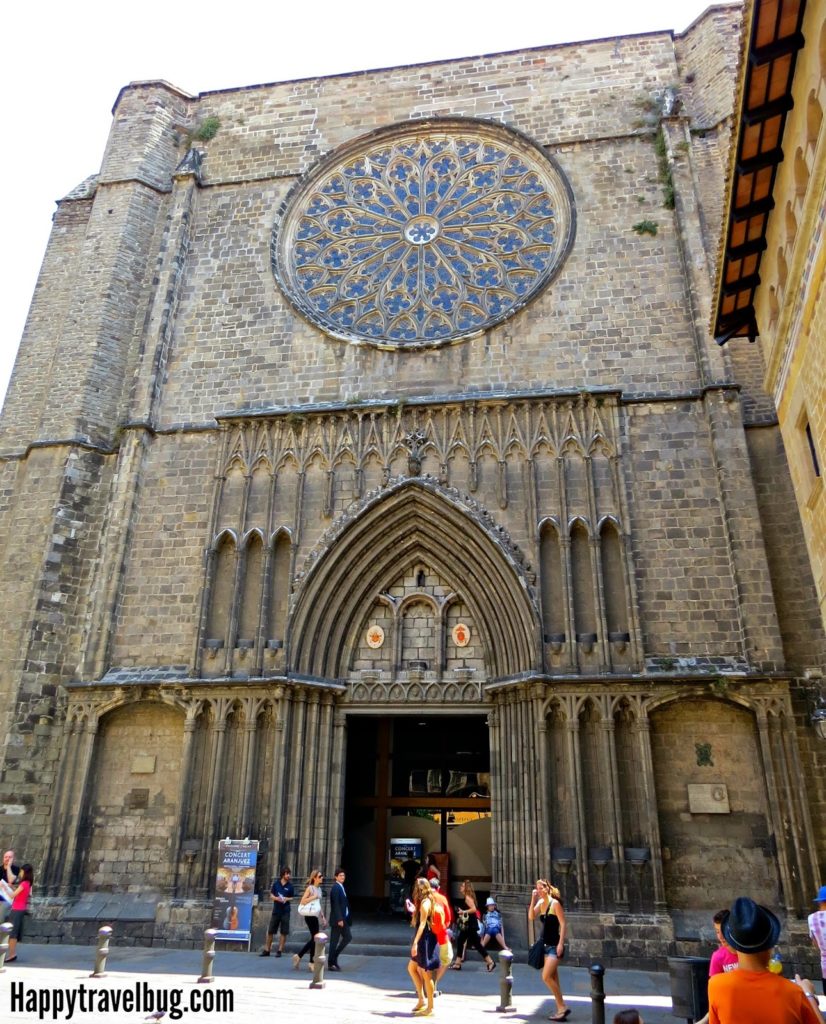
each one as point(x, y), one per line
point(544, 796)
point(321, 838)
point(610, 752)
point(55, 845)
point(296, 784)
point(809, 868)
point(251, 709)
point(567, 579)
point(773, 806)
point(651, 813)
point(310, 806)
point(213, 802)
point(498, 829)
point(184, 790)
point(77, 807)
point(575, 787)
point(337, 781)
point(279, 709)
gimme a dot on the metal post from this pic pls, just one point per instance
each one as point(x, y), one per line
point(104, 934)
point(505, 982)
point(5, 932)
point(209, 957)
point(319, 960)
point(597, 994)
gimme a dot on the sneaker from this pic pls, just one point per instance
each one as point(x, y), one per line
point(265, 952)
point(296, 960)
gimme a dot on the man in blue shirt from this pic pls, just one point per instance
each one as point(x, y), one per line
point(281, 894)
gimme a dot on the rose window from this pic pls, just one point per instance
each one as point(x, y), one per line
point(424, 234)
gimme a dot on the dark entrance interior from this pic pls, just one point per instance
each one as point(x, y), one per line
point(423, 776)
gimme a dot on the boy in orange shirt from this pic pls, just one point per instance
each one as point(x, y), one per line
point(752, 994)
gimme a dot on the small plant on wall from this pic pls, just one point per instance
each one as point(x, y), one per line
point(207, 129)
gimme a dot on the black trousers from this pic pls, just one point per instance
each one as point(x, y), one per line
point(309, 945)
point(339, 938)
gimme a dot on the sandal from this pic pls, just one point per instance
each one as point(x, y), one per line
point(562, 1015)
point(489, 965)
point(456, 965)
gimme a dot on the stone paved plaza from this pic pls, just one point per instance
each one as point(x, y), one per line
point(368, 986)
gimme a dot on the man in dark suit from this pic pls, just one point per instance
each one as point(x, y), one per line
point(339, 921)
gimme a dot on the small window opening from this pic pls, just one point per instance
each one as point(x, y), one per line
point(812, 449)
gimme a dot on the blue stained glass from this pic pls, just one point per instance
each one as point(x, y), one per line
point(357, 287)
point(486, 276)
point(544, 233)
point(444, 233)
point(338, 221)
point(396, 303)
point(520, 283)
point(445, 299)
point(343, 315)
point(536, 258)
point(531, 184)
point(404, 329)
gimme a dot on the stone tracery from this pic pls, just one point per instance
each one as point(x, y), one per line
point(424, 234)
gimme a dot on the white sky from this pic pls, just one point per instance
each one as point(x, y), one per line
point(64, 63)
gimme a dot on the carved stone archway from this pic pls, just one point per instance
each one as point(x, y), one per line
point(408, 521)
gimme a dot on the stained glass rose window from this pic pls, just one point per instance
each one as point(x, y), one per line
point(423, 234)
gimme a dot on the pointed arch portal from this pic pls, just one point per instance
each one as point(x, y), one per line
point(414, 521)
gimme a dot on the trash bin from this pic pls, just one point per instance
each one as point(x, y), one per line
point(689, 986)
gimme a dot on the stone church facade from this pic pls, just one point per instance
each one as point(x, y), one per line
point(369, 470)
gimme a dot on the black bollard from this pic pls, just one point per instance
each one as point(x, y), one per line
point(597, 994)
point(505, 982)
point(102, 952)
point(5, 932)
point(209, 957)
point(319, 960)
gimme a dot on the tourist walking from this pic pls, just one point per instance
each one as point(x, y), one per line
point(817, 930)
point(8, 874)
point(19, 905)
point(442, 920)
point(424, 952)
point(469, 918)
point(546, 907)
point(309, 907)
point(340, 934)
point(281, 894)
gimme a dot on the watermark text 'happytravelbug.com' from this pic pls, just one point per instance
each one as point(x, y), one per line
point(65, 1003)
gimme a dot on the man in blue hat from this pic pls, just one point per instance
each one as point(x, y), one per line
point(752, 994)
point(817, 930)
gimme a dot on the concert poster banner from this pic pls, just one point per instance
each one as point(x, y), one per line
point(235, 890)
point(405, 861)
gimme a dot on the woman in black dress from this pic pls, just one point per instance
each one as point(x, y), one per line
point(469, 918)
point(545, 905)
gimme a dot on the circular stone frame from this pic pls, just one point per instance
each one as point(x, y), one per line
point(423, 234)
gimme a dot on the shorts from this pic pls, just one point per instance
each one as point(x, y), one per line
point(16, 919)
point(551, 951)
point(445, 954)
point(279, 922)
point(493, 932)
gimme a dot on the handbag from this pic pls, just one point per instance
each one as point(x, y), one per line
point(536, 955)
point(312, 908)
